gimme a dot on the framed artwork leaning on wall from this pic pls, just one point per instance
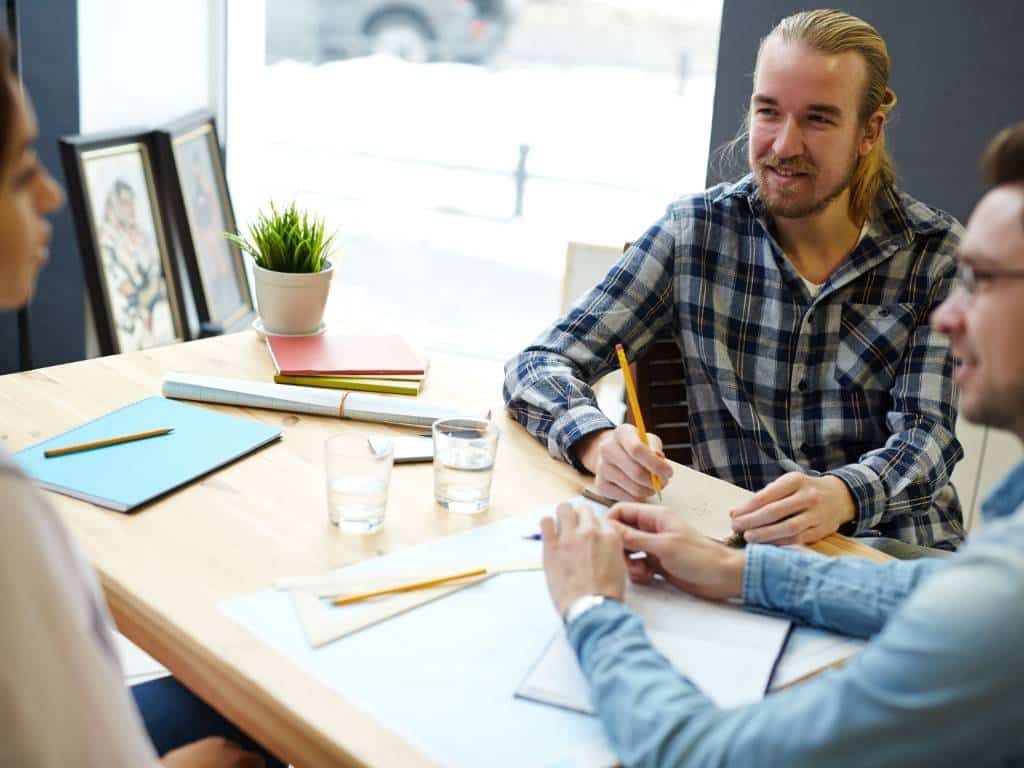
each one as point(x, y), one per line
point(199, 205)
point(134, 288)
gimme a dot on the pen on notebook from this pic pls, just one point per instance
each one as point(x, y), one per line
point(410, 586)
point(92, 444)
point(634, 408)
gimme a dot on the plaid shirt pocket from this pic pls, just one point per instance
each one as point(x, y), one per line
point(872, 341)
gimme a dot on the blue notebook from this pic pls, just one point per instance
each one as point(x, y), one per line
point(124, 476)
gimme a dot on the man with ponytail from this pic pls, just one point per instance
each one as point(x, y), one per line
point(799, 297)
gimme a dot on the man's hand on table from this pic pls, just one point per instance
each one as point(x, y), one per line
point(795, 509)
point(211, 752)
point(677, 552)
point(587, 555)
point(622, 464)
point(582, 556)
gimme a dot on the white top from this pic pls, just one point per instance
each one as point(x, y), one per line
point(815, 288)
point(812, 288)
point(63, 700)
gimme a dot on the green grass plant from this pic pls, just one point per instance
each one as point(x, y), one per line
point(287, 240)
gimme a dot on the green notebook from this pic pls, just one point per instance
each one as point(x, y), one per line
point(358, 383)
point(123, 477)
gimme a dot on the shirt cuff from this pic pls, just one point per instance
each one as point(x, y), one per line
point(869, 497)
point(571, 427)
point(773, 577)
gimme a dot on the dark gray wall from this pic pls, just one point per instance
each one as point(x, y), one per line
point(48, 43)
point(957, 69)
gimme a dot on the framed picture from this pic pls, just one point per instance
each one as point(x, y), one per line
point(200, 207)
point(134, 289)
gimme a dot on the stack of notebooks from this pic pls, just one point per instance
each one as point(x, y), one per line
point(366, 363)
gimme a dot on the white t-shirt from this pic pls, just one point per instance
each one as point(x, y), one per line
point(815, 288)
point(63, 701)
point(812, 288)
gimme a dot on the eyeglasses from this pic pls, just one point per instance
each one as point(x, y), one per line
point(970, 276)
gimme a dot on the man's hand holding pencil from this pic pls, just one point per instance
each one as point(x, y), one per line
point(627, 461)
point(622, 465)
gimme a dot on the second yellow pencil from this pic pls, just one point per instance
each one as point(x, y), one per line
point(410, 586)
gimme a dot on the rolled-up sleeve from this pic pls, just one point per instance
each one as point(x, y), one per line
point(925, 691)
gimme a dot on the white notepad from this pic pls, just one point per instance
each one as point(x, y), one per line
point(727, 652)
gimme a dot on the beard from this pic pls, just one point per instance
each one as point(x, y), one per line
point(998, 410)
point(790, 206)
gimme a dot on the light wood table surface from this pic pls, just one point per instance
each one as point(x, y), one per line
point(166, 568)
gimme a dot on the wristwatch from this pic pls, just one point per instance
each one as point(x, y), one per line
point(581, 605)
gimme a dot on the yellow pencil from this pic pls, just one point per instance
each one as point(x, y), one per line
point(409, 586)
point(634, 408)
point(76, 448)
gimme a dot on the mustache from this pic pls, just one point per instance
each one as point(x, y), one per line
point(797, 165)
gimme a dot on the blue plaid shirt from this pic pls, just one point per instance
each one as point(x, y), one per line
point(851, 382)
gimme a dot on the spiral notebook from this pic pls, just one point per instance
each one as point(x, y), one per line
point(126, 476)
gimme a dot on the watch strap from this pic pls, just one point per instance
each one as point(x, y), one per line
point(581, 605)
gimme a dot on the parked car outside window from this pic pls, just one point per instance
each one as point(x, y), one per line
point(415, 30)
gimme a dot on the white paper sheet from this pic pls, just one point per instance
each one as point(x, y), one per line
point(727, 652)
point(319, 401)
point(811, 650)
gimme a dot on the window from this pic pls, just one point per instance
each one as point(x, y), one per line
point(457, 146)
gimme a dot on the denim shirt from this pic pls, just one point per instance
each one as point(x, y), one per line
point(939, 683)
point(851, 381)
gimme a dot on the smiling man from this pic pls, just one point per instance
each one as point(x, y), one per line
point(799, 297)
point(939, 680)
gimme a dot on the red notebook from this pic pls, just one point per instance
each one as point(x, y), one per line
point(328, 355)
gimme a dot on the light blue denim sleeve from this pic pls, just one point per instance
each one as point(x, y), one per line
point(938, 685)
point(846, 594)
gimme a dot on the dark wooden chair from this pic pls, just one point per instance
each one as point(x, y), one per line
point(661, 392)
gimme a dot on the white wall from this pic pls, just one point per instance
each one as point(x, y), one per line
point(143, 62)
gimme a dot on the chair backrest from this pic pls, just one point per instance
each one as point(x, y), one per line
point(661, 392)
point(585, 266)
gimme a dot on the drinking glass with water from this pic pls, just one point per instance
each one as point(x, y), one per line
point(464, 451)
point(357, 481)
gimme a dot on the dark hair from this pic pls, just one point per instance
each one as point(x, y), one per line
point(6, 94)
point(1003, 161)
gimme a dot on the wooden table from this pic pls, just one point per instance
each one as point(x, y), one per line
point(166, 568)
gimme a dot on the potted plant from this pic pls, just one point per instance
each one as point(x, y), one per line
point(292, 270)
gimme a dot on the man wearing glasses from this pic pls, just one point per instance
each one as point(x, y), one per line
point(939, 681)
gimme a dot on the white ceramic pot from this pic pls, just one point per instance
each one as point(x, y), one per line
point(292, 302)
